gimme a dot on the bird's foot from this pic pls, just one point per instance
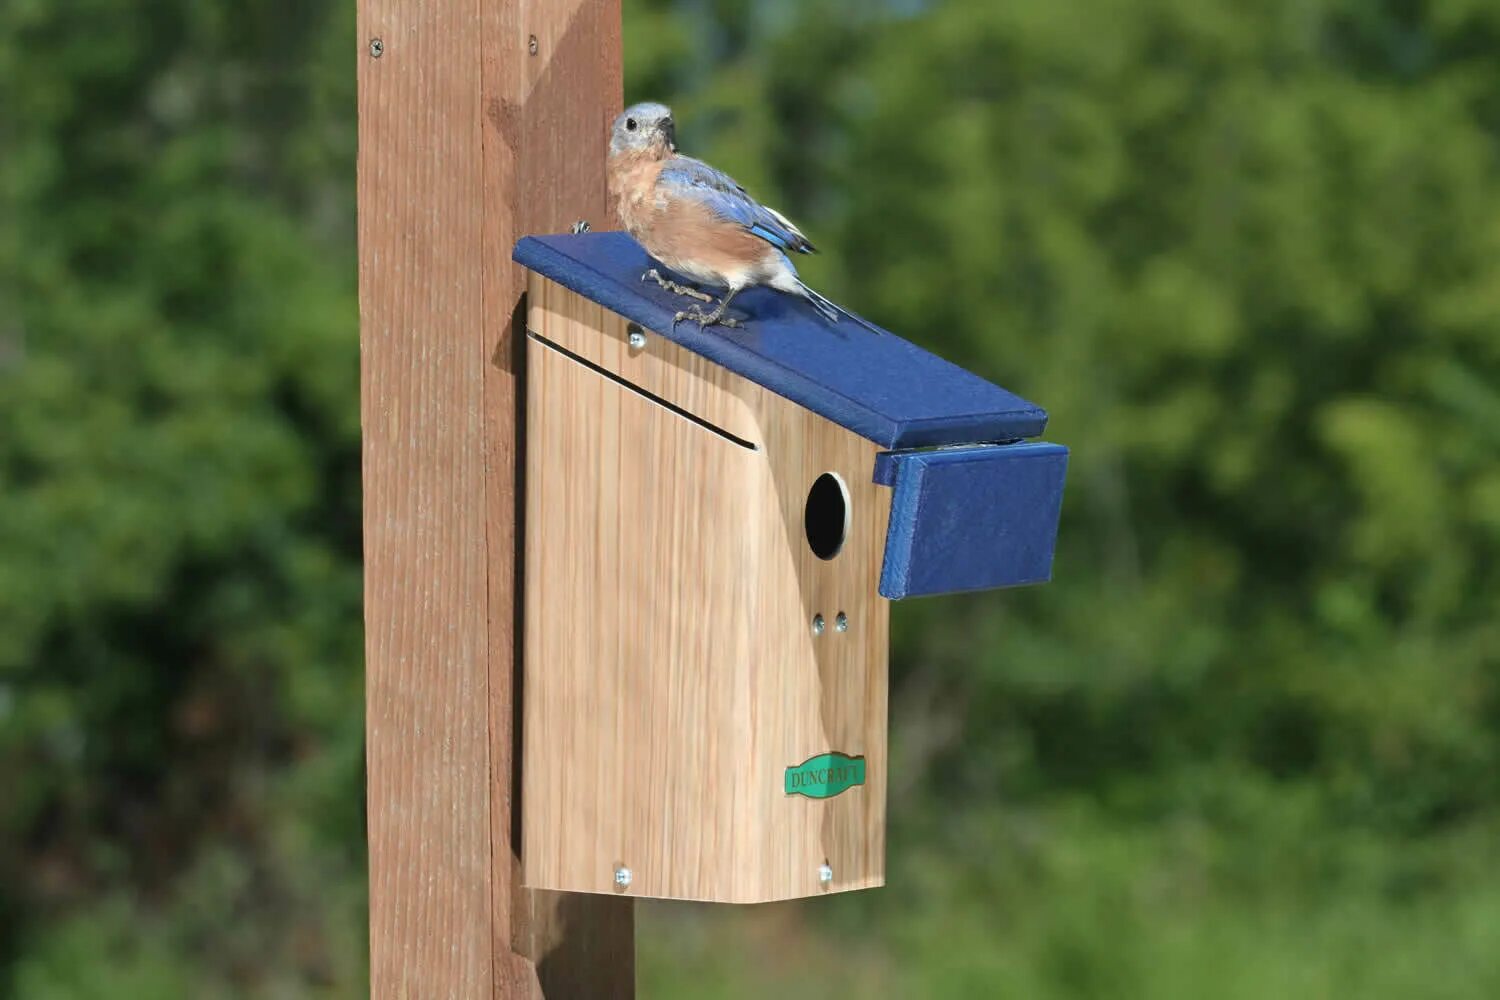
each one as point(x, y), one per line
point(675, 288)
point(705, 320)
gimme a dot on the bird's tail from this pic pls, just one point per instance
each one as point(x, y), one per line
point(831, 312)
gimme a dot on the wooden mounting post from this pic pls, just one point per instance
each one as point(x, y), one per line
point(479, 121)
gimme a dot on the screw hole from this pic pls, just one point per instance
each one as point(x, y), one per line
point(826, 517)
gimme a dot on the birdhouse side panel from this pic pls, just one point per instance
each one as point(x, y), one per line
point(679, 697)
point(637, 705)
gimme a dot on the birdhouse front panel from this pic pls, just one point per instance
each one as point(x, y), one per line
point(705, 652)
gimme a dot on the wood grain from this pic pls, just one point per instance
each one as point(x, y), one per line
point(672, 674)
point(467, 141)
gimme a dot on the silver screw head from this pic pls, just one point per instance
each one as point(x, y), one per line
point(581, 226)
point(817, 624)
point(841, 623)
point(636, 338)
point(623, 877)
point(532, 46)
point(377, 48)
point(825, 873)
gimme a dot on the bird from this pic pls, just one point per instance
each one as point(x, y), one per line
point(699, 221)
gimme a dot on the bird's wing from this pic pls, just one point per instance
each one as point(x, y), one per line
point(721, 193)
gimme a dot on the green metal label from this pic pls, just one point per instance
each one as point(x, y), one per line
point(824, 776)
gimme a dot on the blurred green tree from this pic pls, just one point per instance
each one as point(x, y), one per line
point(1247, 256)
point(180, 702)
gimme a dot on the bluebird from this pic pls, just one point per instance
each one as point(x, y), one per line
point(698, 221)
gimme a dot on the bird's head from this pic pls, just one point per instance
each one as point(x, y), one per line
point(643, 128)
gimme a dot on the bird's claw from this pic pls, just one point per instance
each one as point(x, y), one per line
point(674, 287)
point(704, 319)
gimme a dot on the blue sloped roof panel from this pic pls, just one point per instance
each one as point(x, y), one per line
point(875, 384)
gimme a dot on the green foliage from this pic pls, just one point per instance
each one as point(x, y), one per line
point(179, 515)
point(1248, 257)
point(1246, 744)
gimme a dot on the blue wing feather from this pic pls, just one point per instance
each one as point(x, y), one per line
point(724, 196)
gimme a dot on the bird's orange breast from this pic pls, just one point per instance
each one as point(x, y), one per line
point(688, 236)
point(632, 182)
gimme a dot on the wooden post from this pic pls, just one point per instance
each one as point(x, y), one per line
point(479, 121)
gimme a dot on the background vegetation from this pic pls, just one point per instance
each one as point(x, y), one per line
point(1246, 744)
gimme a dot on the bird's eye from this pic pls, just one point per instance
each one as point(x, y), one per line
point(630, 124)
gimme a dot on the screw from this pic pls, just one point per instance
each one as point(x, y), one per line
point(817, 624)
point(636, 336)
point(580, 227)
point(825, 873)
point(623, 877)
point(841, 623)
point(532, 45)
point(377, 48)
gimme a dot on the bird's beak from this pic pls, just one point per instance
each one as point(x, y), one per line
point(668, 130)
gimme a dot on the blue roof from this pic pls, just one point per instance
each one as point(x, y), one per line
point(875, 384)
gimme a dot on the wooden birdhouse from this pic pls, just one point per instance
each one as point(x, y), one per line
point(715, 523)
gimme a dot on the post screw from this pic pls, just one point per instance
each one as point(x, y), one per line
point(532, 45)
point(825, 873)
point(817, 624)
point(636, 337)
point(841, 623)
point(377, 48)
point(623, 877)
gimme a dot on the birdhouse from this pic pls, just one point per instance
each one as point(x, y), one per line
point(716, 521)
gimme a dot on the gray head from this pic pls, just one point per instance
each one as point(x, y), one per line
point(643, 127)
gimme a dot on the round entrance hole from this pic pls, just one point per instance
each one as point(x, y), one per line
point(827, 515)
